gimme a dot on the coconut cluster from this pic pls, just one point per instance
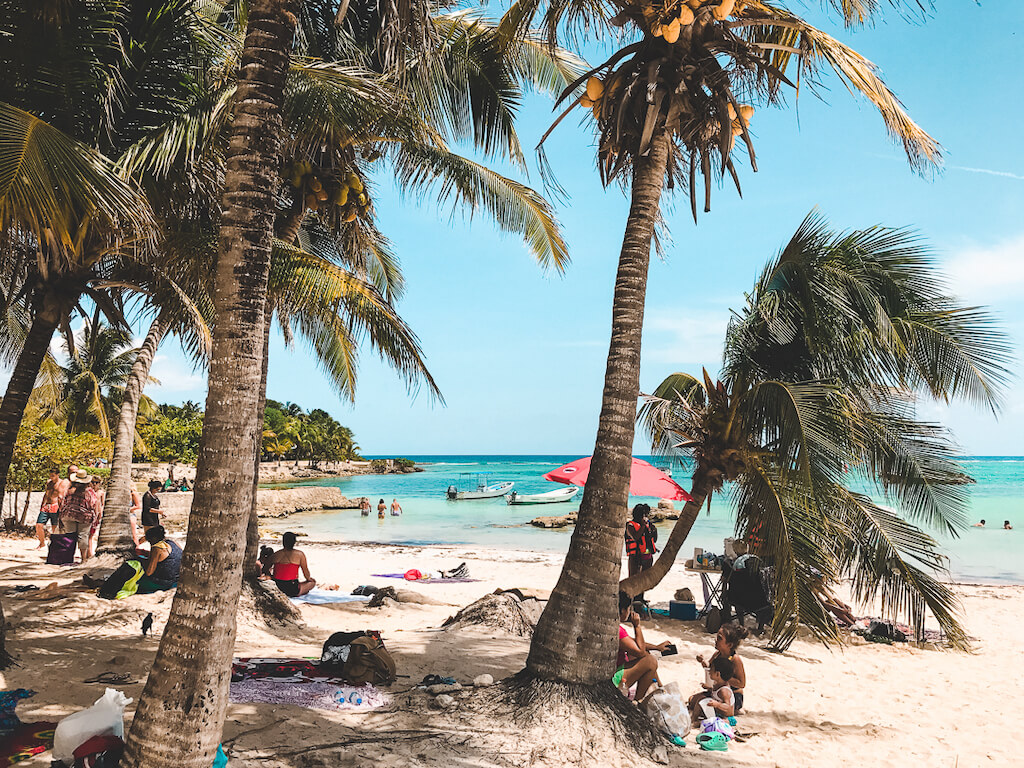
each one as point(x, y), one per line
point(333, 188)
point(668, 22)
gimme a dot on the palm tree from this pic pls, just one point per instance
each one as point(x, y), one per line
point(99, 74)
point(668, 108)
point(840, 337)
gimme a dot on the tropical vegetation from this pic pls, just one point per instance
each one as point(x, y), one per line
point(811, 425)
point(672, 110)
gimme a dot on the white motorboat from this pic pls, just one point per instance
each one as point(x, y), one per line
point(481, 490)
point(551, 497)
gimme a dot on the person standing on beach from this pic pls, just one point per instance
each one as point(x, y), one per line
point(381, 509)
point(364, 507)
point(48, 507)
point(396, 508)
point(101, 496)
point(77, 510)
point(151, 506)
point(641, 536)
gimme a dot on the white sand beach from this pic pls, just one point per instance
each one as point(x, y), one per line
point(810, 706)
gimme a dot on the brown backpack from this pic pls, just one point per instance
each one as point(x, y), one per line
point(368, 662)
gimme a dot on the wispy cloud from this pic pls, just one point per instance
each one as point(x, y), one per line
point(987, 172)
point(691, 335)
point(988, 273)
point(175, 377)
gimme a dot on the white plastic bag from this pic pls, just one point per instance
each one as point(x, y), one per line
point(667, 709)
point(104, 717)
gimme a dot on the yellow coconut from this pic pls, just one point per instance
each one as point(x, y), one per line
point(746, 112)
point(672, 31)
point(723, 9)
point(685, 16)
point(362, 199)
point(595, 88)
point(694, 4)
point(321, 195)
point(586, 101)
point(341, 195)
point(351, 215)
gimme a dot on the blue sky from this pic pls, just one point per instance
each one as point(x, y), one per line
point(519, 353)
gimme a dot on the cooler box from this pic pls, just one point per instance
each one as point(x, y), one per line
point(682, 611)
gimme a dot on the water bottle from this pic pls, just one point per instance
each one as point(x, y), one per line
point(355, 698)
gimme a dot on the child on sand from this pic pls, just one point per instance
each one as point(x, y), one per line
point(719, 700)
point(727, 641)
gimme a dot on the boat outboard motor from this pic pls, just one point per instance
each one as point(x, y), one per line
point(453, 492)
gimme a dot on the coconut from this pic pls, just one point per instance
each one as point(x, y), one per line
point(351, 215)
point(315, 184)
point(321, 195)
point(341, 195)
point(685, 16)
point(723, 9)
point(362, 199)
point(746, 112)
point(354, 182)
point(595, 88)
point(694, 4)
point(586, 101)
point(596, 109)
point(672, 31)
point(737, 128)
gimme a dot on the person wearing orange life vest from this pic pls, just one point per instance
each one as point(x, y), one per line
point(641, 536)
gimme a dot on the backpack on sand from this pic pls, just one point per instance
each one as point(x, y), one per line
point(122, 580)
point(62, 549)
point(358, 658)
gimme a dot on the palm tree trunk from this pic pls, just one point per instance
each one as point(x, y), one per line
point(23, 379)
point(180, 716)
point(650, 578)
point(115, 531)
point(251, 567)
point(575, 640)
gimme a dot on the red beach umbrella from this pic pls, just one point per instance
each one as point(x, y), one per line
point(644, 480)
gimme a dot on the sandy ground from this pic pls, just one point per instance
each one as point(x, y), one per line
point(872, 705)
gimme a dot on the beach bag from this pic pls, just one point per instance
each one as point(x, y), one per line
point(369, 662)
point(336, 651)
point(99, 752)
point(122, 582)
point(105, 717)
point(667, 710)
point(62, 549)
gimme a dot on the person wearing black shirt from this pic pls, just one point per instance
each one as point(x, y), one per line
point(151, 505)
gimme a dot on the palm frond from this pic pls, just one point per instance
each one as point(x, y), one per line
point(515, 207)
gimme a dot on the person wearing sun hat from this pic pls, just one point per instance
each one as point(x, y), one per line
point(77, 510)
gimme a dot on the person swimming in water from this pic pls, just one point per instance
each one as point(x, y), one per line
point(1007, 526)
point(980, 524)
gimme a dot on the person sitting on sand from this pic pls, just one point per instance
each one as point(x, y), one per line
point(163, 565)
point(727, 642)
point(381, 509)
point(364, 507)
point(285, 565)
point(1007, 526)
point(48, 509)
point(835, 606)
point(635, 664)
point(719, 700)
point(77, 510)
point(396, 508)
point(980, 524)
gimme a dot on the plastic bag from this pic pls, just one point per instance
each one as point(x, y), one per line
point(667, 709)
point(106, 716)
point(714, 724)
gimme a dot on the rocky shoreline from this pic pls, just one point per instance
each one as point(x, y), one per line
point(665, 510)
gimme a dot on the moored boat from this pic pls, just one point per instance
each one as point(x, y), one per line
point(550, 497)
point(481, 489)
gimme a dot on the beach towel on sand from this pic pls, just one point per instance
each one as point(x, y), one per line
point(24, 741)
point(283, 670)
point(423, 581)
point(317, 596)
point(326, 696)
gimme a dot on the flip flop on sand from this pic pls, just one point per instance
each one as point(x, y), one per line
point(111, 678)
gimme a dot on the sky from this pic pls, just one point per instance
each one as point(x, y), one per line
point(519, 352)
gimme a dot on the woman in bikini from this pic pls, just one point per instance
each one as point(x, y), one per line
point(285, 565)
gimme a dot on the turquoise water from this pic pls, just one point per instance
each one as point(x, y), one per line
point(989, 554)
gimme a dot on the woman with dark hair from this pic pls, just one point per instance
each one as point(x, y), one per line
point(634, 663)
point(285, 565)
point(381, 509)
point(163, 566)
point(641, 536)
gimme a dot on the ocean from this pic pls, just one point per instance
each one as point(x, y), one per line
point(988, 554)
